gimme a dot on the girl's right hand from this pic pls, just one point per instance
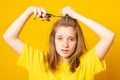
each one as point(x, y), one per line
point(38, 12)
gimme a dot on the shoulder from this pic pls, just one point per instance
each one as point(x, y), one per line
point(91, 61)
point(91, 52)
point(31, 52)
point(31, 56)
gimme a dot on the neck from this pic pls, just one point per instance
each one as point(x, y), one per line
point(63, 59)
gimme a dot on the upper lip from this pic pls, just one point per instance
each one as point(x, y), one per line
point(65, 50)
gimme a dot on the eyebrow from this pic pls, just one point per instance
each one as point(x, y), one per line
point(68, 37)
point(71, 37)
point(59, 36)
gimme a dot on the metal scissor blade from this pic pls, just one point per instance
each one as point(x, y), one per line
point(51, 15)
point(56, 16)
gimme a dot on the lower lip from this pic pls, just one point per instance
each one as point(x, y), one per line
point(65, 51)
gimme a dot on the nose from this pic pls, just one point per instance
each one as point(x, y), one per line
point(65, 44)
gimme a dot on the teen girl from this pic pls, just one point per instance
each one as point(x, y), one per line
point(68, 58)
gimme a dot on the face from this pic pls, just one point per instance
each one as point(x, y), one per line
point(65, 41)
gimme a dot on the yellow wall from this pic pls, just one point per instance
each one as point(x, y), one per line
point(35, 32)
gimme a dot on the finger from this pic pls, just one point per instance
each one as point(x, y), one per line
point(35, 14)
point(64, 11)
point(39, 12)
point(46, 18)
point(44, 12)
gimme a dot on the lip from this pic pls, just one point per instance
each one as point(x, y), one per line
point(65, 50)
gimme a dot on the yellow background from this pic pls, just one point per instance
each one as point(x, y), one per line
point(36, 32)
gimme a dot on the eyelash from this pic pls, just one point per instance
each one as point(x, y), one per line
point(69, 39)
point(59, 38)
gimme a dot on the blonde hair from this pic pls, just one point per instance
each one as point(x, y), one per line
point(74, 59)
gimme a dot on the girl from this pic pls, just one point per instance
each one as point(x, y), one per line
point(68, 58)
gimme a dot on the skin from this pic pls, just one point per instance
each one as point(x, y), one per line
point(11, 35)
point(65, 42)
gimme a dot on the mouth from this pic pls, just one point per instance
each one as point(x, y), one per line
point(65, 50)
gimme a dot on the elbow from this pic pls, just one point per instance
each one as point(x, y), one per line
point(109, 37)
point(8, 36)
point(5, 37)
point(112, 36)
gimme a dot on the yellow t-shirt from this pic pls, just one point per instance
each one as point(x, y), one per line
point(32, 59)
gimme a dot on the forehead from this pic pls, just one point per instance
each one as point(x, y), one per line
point(65, 31)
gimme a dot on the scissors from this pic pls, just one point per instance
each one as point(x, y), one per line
point(51, 15)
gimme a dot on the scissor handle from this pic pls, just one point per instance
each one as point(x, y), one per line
point(49, 15)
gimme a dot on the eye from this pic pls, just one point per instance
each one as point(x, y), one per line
point(71, 39)
point(59, 38)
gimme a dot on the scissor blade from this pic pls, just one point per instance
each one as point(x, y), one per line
point(56, 16)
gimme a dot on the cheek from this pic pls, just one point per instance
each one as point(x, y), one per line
point(73, 45)
point(57, 44)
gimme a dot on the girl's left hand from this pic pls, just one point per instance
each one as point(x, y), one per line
point(69, 11)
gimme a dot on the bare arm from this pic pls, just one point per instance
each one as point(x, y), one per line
point(106, 36)
point(12, 33)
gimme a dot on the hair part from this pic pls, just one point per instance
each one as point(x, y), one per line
point(74, 59)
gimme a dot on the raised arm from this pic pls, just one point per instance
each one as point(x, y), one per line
point(12, 33)
point(106, 36)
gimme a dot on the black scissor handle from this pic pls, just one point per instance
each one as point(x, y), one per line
point(48, 14)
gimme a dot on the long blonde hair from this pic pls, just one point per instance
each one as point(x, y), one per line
point(53, 57)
